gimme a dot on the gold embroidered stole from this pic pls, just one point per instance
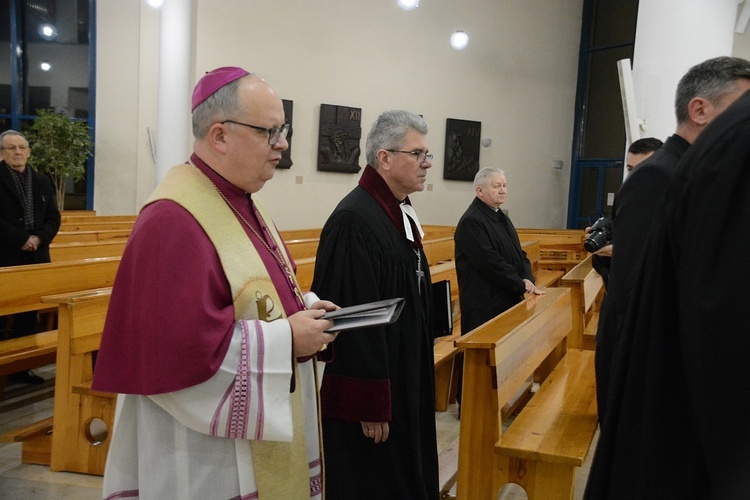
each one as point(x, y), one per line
point(281, 468)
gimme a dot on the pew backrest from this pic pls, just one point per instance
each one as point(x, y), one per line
point(95, 226)
point(83, 218)
point(500, 358)
point(86, 236)
point(302, 248)
point(24, 286)
point(587, 287)
point(438, 250)
point(86, 250)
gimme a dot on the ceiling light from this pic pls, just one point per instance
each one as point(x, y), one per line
point(459, 40)
point(156, 4)
point(408, 4)
point(45, 66)
point(48, 32)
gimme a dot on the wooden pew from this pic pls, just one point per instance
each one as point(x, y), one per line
point(305, 270)
point(560, 249)
point(587, 290)
point(86, 236)
point(96, 226)
point(542, 277)
point(78, 444)
point(552, 433)
point(64, 213)
point(553, 238)
point(302, 248)
point(23, 288)
point(301, 234)
point(88, 217)
point(434, 232)
point(438, 250)
point(71, 441)
point(60, 252)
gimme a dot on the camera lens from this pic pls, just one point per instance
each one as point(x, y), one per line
point(595, 241)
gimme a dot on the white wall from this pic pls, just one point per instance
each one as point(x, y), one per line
point(127, 64)
point(741, 46)
point(517, 77)
point(671, 37)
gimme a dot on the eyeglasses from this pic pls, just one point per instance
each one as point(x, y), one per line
point(273, 133)
point(16, 148)
point(421, 156)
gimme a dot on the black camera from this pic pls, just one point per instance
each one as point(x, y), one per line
point(600, 235)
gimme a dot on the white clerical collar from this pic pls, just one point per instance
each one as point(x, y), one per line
point(409, 213)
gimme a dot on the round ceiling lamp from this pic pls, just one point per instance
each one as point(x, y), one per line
point(408, 4)
point(48, 32)
point(459, 40)
point(156, 4)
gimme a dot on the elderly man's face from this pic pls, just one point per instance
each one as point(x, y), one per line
point(15, 152)
point(252, 161)
point(495, 192)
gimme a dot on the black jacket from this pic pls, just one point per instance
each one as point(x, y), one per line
point(12, 232)
point(490, 264)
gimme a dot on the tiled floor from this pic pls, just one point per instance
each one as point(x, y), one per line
point(24, 482)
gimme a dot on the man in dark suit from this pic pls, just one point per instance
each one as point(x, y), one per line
point(493, 271)
point(702, 94)
point(29, 220)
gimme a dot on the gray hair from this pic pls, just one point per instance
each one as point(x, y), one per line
point(221, 105)
point(484, 175)
point(389, 130)
point(12, 132)
point(711, 80)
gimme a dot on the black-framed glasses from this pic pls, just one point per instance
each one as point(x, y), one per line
point(273, 133)
point(421, 156)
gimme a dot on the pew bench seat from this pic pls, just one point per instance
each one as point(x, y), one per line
point(26, 353)
point(551, 436)
point(36, 438)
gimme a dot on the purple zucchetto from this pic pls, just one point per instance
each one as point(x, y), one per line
point(213, 81)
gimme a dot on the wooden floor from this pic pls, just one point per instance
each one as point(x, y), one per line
point(25, 404)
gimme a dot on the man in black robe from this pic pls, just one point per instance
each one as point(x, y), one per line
point(702, 94)
point(677, 423)
point(377, 394)
point(492, 269)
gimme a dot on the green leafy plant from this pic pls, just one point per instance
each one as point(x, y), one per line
point(59, 148)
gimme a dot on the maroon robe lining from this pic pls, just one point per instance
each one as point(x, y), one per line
point(372, 182)
point(356, 400)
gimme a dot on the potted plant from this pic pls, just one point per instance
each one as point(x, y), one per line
point(59, 148)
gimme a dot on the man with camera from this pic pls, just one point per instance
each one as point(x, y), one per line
point(705, 91)
point(599, 235)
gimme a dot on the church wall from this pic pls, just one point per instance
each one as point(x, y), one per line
point(517, 77)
